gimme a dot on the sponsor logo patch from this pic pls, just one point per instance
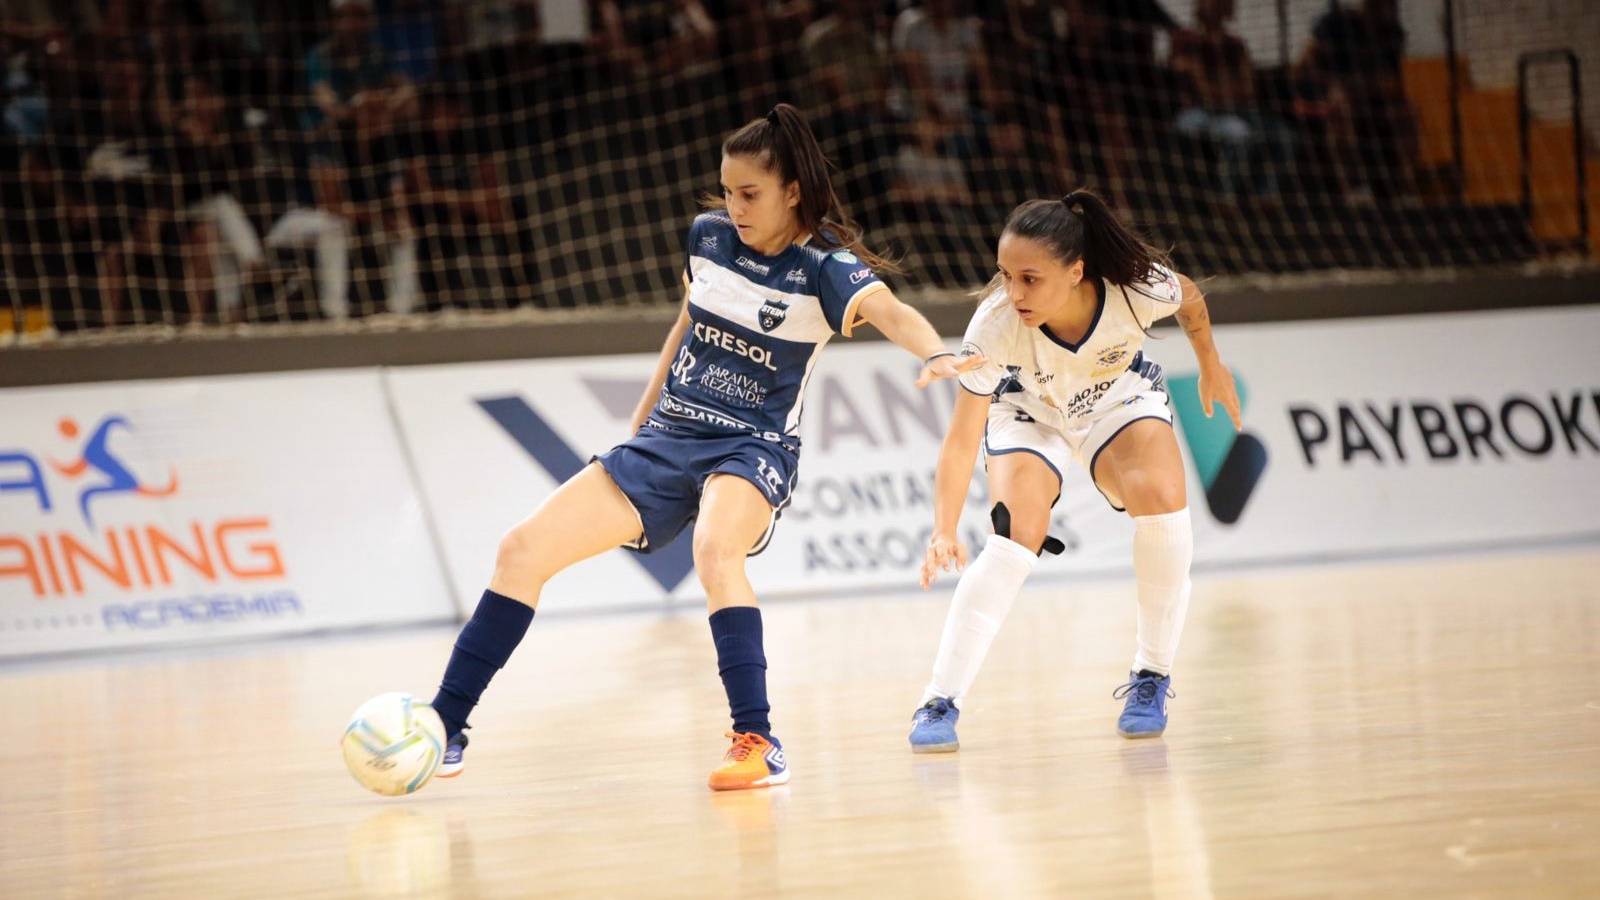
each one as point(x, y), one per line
point(745, 262)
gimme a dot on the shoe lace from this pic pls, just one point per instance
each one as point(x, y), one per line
point(1144, 689)
point(934, 710)
point(743, 745)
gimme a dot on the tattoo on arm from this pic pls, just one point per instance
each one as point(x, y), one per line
point(1195, 322)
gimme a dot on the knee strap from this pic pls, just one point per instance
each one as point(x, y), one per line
point(1000, 517)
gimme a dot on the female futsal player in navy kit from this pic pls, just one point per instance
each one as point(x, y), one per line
point(1061, 327)
point(770, 276)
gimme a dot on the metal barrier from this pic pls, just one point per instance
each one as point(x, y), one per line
point(1525, 62)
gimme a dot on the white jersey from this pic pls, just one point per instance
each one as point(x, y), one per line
point(1064, 384)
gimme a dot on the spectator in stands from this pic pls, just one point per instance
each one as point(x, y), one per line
point(407, 31)
point(759, 43)
point(1359, 51)
point(496, 23)
point(45, 240)
point(359, 207)
point(213, 164)
point(1221, 107)
point(518, 86)
point(1029, 150)
point(847, 90)
point(844, 54)
point(356, 169)
point(110, 132)
point(1116, 92)
point(655, 36)
point(460, 208)
point(353, 82)
point(939, 55)
point(929, 183)
point(24, 108)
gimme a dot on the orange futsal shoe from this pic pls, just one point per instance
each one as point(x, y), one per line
point(752, 762)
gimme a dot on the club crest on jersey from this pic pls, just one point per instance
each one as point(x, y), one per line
point(1114, 355)
point(772, 314)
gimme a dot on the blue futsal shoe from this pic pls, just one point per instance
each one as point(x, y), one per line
point(1144, 714)
point(933, 727)
point(454, 750)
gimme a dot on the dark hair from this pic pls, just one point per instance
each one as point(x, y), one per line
point(1081, 226)
point(783, 141)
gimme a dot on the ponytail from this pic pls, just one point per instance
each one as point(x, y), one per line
point(1111, 249)
point(784, 142)
point(1081, 226)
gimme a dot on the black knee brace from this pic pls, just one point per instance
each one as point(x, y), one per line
point(1001, 519)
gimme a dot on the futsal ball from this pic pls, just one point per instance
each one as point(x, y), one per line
point(393, 744)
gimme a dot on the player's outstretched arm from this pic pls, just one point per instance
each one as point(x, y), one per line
point(1216, 382)
point(950, 483)
point(911, 330)
point(669, 349)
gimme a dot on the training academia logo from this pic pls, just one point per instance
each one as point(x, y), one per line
point(127, 539)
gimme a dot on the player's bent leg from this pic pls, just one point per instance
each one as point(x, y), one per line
point(1028, 486)
point(1143, 468)
point(583, 517)
point(734, 515)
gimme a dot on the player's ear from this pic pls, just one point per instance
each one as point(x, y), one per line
point(791, 195)
point(1075, 271)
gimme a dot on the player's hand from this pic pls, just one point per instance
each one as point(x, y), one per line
point(1216, 386)
point(945, 553)
point(947, 365)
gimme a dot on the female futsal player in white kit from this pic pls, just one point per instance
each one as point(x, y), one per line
point(1062, 326)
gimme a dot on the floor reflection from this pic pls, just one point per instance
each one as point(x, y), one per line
point(1180, 861)
point(404, 852)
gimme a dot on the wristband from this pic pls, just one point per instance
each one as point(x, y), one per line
point(937, 355)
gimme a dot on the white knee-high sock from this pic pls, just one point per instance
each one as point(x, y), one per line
point(1163, 548)
point(983, 597)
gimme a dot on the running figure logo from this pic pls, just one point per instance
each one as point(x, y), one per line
point(98, 458)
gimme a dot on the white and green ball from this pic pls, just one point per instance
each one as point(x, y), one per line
point(393, 744)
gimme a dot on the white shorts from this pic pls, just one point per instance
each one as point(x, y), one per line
point(1011, 430)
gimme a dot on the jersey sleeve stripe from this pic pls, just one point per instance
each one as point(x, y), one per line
point(848, 321)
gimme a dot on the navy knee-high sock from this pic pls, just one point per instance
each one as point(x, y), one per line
point(486, 642)
point(743, 665)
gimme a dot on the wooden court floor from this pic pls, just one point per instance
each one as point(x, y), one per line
point(1418, 728)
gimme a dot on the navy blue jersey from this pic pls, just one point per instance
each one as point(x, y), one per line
point(757, 326)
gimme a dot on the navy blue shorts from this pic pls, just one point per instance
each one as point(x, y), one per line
point(662, 472)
